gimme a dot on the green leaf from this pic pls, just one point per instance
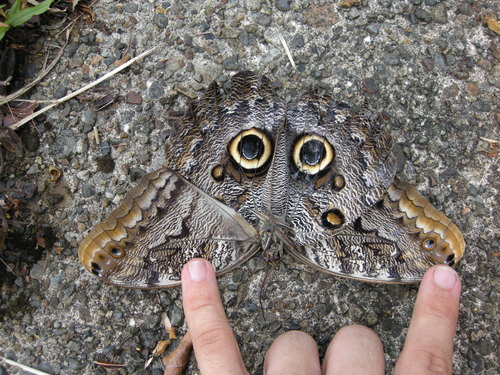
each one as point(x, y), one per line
point(16, 17)
point(3, 30)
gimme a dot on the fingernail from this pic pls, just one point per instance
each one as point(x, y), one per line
point(197, 270)
point(445, 277)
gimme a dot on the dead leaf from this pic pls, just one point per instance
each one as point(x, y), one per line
point(10, 140)
point(160, 348)
point(85, 9)
point(24, 109)
point(41, 241)
point(172, 334)
point(175, 362)
point(492, 24)
point(123, 60)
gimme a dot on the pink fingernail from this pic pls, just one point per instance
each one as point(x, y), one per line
point(197, 270)
point(445, 277)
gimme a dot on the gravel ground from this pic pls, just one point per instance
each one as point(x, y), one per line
point(430, 68)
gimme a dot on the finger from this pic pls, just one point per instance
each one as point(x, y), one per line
point(428, 347)
point(293, 352)
point(214, 344)
point(354, 350)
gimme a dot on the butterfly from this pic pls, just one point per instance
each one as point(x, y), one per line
point(245, 171)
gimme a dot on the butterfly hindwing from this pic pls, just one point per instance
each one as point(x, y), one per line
point(162, 223)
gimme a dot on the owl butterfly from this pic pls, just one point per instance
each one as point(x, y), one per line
point(244, 171)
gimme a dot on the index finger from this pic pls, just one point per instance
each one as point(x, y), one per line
point(428, 348)
point(214, 344)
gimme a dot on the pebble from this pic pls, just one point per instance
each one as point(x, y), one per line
point(428, 64)
point(263, 19)
point(283, 5)
point(297, 41)
point(231, 63)
point(89, 117)
point(83, 175)
point(372, 28)
point(423, 15)
point(156, 90)
point(88, 190)
point(74, 364)
point(133, 98)
point(391, 59)
point(160, 20)
point(105, 148)
point(176, 316)
point(131, 8)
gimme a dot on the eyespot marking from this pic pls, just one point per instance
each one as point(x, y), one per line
point(116, 252)
point(428, 244)
point(217, 173)
point(251, 150)
point(333, 219)
point(312, 154)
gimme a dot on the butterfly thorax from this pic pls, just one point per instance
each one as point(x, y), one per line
point(276, 236)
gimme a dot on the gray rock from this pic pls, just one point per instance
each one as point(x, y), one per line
point(88, 190)
point(176, 316)
point(160, 20)
point(89, 117)
point(283, 5)
point(231, 63)
point(297, 41)
point(423, 15)
point(263, 19)
point(74, 363)
point(373, 29)
point(156, 90)
point(130, 8)
point(439, 14)
point(391, 59)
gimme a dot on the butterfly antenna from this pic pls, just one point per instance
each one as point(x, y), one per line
point(265, 283)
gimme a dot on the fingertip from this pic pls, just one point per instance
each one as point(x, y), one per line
point(428, 347)
point(196, 270)
point(442, 279)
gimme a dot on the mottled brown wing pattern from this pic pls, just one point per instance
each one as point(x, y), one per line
point(245, 171)
point(396, 240)
point(352, 218)
point(162, 223)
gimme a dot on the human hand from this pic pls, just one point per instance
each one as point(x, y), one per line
point(428, 348)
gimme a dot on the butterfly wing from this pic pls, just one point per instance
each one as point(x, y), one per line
point(200, 204)
point(350, 217)
point(161, 224)
point(395, 241)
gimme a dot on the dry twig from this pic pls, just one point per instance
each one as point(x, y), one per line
point(79, 91)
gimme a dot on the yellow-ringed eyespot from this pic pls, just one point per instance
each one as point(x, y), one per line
point(428, 244)
point(333, 219)
point(251, 149)
point(116, 252)
point(312, 154)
